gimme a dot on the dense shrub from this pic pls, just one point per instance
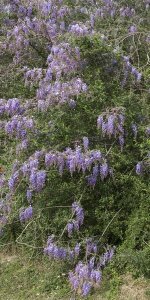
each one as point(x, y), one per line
point(75, 131)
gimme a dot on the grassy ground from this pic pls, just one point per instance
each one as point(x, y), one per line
point(24, 278)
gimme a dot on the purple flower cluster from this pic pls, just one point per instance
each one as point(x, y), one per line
point(32, 76)
point(84, 278)
point(3, 220)
point(59, 92)
point(53, 251)
point(19, 126)
point(79, 29)
point(89, 275)
point(143, 167)
point(132, 29)
point(13, 180)
point(112, 124)
point(106, 257)
point(134, 130)
point(26, 214)
point(11, 107)
point(37, 180)
point(75, 224)
point(60, 253)
point(107, 9)
point(131, 70)
point(76, 160)
point(91, 247)
point(127, 12)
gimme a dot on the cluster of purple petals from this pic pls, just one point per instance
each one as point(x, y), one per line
point(112, 125)
point(62, 60)
point(91, 247)
point(49, 24)
point(3, 220)
point(108, 8)
point(60, 253)
point(131, 70)
point(22, 146)
point(89, 274)
point(134, 130)
point(5, 206)
point(30, 170)
point(22, 11)
point(32, 76)
point(76, 160)
point(132, 29)
point(59, 92)
point(79, 29)
point(106, 257)
point(139, 168)
point(19, 126)
point(75, 224)
point(127, 12)
point(11, 107)
point(26, 214)
point(85, 277)
point(103, 170)
point(143, 167)
point(18, 39)
point(55, 9)
point(37, 180)
point(13, 180)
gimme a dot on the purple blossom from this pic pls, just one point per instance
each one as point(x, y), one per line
point(134, 130)
point(26, 214)
point(104, 170)
point(85, 143)
point(86, 288)
point(139, 168)
point(132, 29)
point(77, 249)
point(70, 228)
point(96, 276)
point(13, 180)
point(72, 103)
point(110, 125)
point(121, 141)
point(74, 281)
point(3, 220)
point(92, 179)
point(91, 261)
point(71, 255)
point(89, 246)
point(40, 180)
point(29, 195)
point(107, 257)
point(99, 122)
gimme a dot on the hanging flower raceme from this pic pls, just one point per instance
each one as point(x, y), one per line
point(77, 221)
point(111, 124)
point(129, 69)
point(26, 214)
point(143, 167)
point(89, 275)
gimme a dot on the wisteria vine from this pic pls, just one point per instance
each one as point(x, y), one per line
point(46, 29)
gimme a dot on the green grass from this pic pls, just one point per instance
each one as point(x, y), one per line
point(23, 277)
